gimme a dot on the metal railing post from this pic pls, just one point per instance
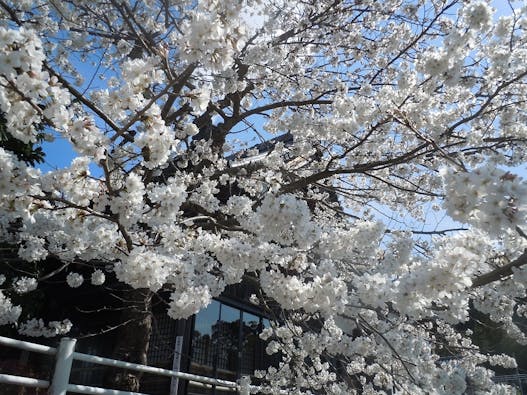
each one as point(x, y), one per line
point(64, 360)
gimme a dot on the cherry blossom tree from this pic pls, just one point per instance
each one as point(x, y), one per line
point(406, 108)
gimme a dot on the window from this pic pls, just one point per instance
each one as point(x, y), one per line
point(225, 344)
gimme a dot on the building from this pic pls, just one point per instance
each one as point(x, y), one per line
point(221, 341)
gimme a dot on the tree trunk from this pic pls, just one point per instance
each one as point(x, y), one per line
point(132, 340)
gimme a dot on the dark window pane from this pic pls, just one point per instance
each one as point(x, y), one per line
point(250, 343)
point(207, 317)
point(203, 353)
point(226, 336)
point(226, 345)
point(229, 314)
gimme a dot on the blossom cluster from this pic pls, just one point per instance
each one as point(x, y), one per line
point(37, 327)
point(487, 197)
point(144, 269)
point(208, 38)
point(355, 162)
point(9, 313)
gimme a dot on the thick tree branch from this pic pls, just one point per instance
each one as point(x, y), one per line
point(501, 272)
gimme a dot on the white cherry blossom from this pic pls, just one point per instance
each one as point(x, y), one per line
point(358, 162)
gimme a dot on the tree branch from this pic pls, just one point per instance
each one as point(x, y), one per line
point(501, 272)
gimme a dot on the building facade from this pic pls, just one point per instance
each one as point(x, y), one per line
point(221, 341)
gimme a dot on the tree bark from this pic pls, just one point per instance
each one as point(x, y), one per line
point(132, 340)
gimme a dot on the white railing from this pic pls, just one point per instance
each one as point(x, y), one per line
point(65, 355)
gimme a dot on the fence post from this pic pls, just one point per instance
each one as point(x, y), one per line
point(64, 359)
